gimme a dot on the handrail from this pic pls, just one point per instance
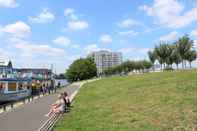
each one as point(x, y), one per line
point(29, 99)
point(12, 103)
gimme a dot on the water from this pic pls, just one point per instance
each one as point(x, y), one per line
point(63, 82)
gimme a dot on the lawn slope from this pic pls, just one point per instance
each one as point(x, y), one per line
point(150, 102)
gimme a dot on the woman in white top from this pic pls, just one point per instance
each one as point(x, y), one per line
point(57, 107)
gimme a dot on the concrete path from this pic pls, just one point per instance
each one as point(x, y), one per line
point(29, 117)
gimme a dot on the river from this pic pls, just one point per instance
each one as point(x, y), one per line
point(62, 82)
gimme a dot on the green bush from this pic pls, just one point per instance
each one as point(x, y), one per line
point(81, 69)
point(168, 69)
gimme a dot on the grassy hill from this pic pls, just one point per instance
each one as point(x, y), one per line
point(150, 102)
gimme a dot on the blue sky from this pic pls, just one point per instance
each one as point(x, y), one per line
point(38, 33)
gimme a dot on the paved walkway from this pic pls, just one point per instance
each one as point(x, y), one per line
point(29, 117)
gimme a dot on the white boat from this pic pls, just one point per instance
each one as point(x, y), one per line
point(13, 89)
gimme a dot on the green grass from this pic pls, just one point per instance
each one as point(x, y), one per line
point(150, 102)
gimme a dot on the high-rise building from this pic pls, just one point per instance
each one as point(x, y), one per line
point(106, 59)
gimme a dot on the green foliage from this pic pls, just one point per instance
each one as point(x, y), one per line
point(152, 56)
point(128, 66)
point(191, 56)
point(168, 69)
point(177, 52)
point(81, 69)
point(184, 44)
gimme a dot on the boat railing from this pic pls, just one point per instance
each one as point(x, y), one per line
point(13, 104)
point(10, 105)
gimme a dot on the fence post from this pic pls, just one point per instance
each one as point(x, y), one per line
point(28, 99)
point(4, 107)
point(12, 105)
point(24, 101)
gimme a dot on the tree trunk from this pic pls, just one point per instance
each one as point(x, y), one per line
point(177, 66)
point(185, 64)
point(182, 64)
point(190, 64)
point(153, 68)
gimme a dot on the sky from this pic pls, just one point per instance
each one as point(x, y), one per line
point(41, 33)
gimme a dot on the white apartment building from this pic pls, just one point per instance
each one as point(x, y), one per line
point(106, 59)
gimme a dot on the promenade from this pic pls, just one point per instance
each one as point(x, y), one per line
point(30, 116)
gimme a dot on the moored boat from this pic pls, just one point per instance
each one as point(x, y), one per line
point(13, 89)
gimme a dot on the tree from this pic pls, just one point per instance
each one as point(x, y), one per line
point(128, 66)
point(152, 57)
point(162, 53)
point(184, 44)
point(81, 69)
point(190, 56)
point(176, 57)
point(147, 64)
point(170, 60)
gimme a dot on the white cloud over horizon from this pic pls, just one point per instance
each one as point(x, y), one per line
point(65, 41)
point(170, 13)
point(194, 33)
point(94, 47)
point(17, 29)
point(106, 39)
point(129, 23)
point(169, 37)
point(128, 33)
point(132, 53)
point(44, 17)
point(77, 25)
point(70, 13)
point(8, 3)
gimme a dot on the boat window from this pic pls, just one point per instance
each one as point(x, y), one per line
point(20, 86)
point(2, 87)
point(11, 86)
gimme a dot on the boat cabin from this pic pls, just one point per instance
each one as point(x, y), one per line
point(14, 88)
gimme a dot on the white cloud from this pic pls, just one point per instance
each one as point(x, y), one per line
point(62, 41)
point(128, 33)
point(134, 50)
point(134, 53)
point(17, 29)
point(169, 37)
point(93, 47)
point(129, 23)
point(4, 54)
point(65, 41)
point(69, 12)
point(36, 49)
point(44, 17)
point(169, 13)
point(195, 43)
point(77, 25)
point(1, 30)
point(194, 33)
point(106, 39)
point(8, 3)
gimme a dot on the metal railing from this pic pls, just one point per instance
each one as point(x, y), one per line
point(49, 124)
point(13, 104)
